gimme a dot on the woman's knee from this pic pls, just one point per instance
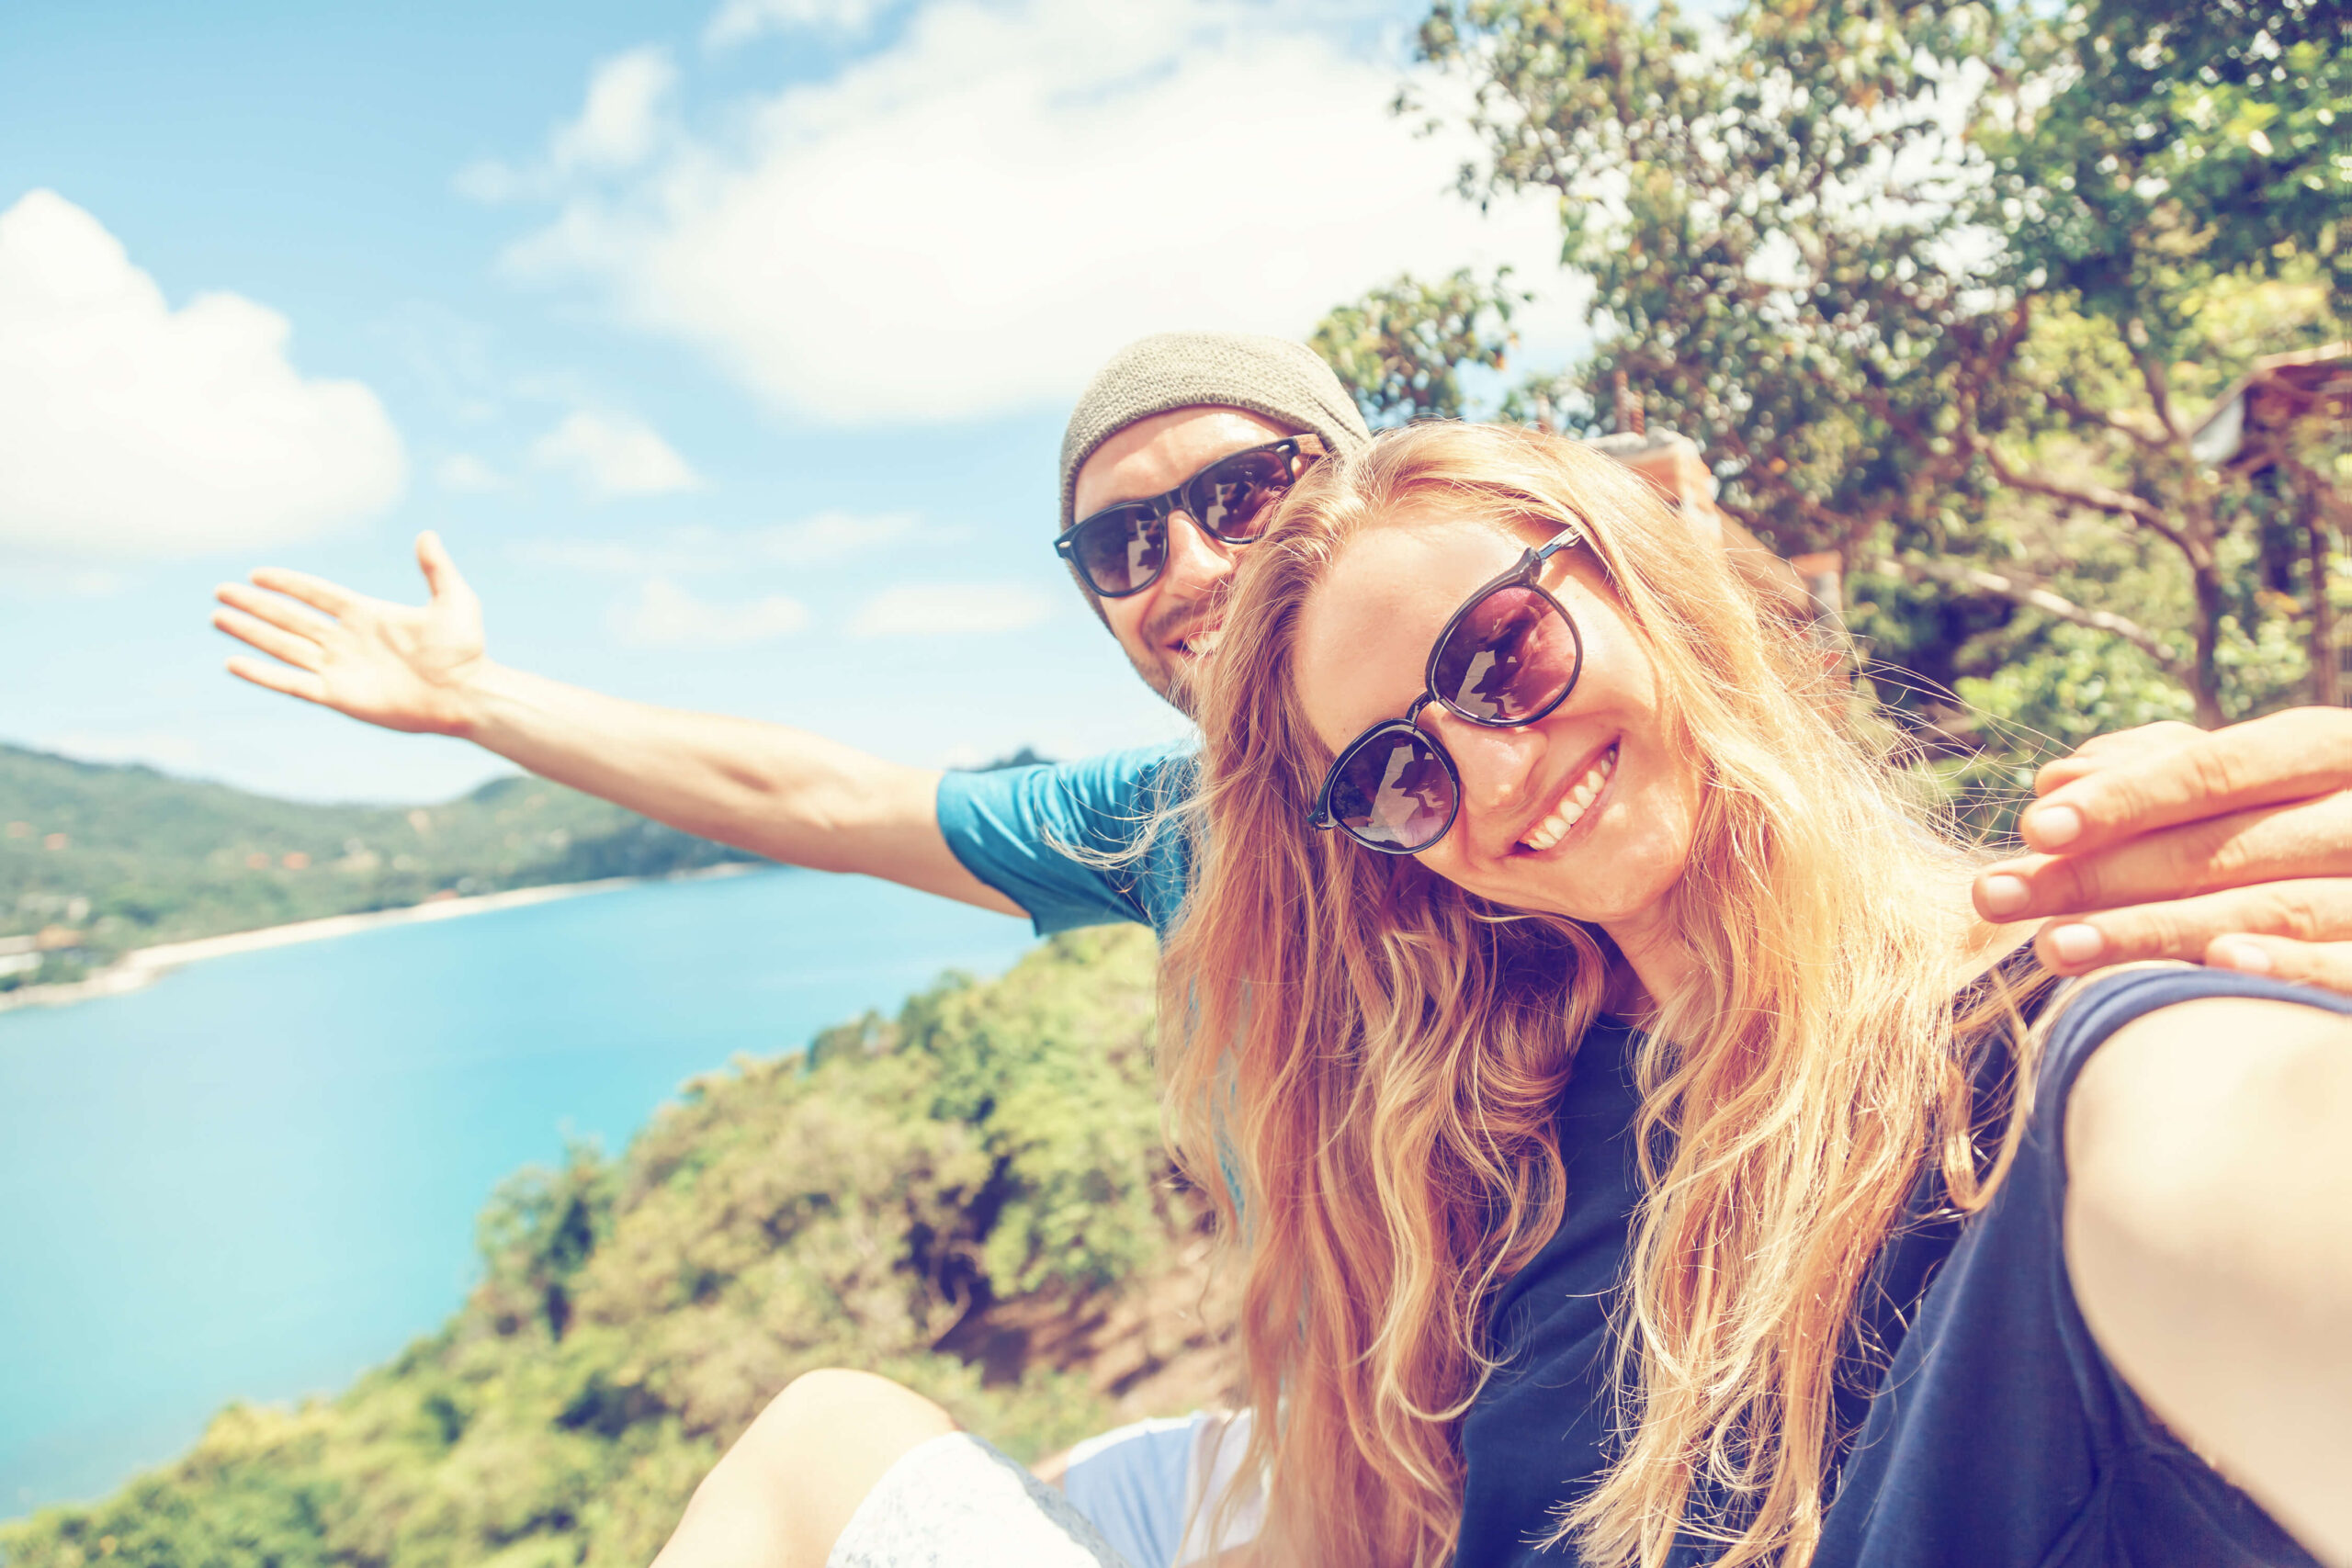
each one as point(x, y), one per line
point(847, 1425)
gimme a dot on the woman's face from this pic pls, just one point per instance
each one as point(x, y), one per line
point(1588, 813)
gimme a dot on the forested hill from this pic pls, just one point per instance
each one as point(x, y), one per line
point(128, 857)
point(973, 1198)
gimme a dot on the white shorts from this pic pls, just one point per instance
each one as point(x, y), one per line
point(1144, 1497)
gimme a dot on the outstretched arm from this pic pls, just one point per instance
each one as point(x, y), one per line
point(2209, 1244)
point(2232, 848)
point(780, 793)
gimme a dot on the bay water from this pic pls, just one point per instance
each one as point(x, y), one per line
point(259, 1177)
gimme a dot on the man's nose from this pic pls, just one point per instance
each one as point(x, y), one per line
point(1195, 559)
point(1497, 766)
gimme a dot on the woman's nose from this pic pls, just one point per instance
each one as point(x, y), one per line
point(1497, 766)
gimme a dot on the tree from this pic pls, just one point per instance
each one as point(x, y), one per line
point(1885, 261)
point(1404, 345)
point(2148, 180)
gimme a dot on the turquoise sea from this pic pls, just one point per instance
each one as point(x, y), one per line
point(260, 1176)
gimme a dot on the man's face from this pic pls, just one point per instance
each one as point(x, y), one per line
point(1172, 625)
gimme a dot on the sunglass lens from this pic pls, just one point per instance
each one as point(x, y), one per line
point(1121, 550)
point(1510, 657)
point(1233, 499)
point(1394, 792)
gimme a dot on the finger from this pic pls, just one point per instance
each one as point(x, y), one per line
point(300, 683)
point(441, 574)
point(281, 613)
point(299, 651)
point(2308, 909)
point(315, 591)
point(2286, 755)
point(2322, 963)
point(2309, 837)
point(2115, 747)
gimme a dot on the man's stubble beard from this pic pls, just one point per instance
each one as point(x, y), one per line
point(1177, 676)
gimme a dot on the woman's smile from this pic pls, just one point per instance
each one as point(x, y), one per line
point(1577, 805)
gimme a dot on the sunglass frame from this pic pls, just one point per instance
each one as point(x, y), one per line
point(1522, 576)
point(1167, 502)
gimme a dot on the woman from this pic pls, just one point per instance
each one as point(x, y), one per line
point(1566, 993)
point(1502, 755)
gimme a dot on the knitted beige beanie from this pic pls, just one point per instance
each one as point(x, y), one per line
point(1271, 376)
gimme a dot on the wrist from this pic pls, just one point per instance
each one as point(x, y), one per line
point(476, 702)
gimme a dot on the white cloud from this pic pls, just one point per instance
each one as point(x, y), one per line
point(936, 608)
point(823, 541)
point(665, 615)
point(469, 475)
point(621, 121)
point(738, 21)
point(615, 455)
point(971, 219)
point(622, 116)
point(129, 427)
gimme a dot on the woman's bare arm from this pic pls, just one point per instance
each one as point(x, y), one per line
point(2209, 1238)
point(780, 793)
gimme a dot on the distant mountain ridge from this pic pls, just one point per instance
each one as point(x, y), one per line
point(123, 856)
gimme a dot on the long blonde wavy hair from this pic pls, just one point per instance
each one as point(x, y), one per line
point(1371, 1057)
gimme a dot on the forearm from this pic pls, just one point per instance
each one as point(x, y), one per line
point(2209, 1241)
point(780, 793)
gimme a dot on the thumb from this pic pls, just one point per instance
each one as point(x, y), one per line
point(2327, 964)
point(441, 574)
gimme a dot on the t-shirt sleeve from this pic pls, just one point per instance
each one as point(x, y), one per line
point(2001, 1423)
point(1076, 843)
point(2161, 1469)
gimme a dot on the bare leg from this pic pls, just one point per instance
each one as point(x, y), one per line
point(783, 1494)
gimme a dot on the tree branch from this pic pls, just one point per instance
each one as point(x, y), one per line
point(2019, 591)
point(2151, 376)
point(2097, 498)
point(2083, 414)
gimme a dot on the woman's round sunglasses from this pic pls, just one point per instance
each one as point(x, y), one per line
point(1121, 549)
point(1509, 657)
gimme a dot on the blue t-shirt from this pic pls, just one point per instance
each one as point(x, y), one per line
point(1999, 1436)
point(1016, 828)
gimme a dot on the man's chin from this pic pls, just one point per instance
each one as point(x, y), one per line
point(1171, 674)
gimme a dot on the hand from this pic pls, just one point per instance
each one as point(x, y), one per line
point(398, 665)
point(2232, 848)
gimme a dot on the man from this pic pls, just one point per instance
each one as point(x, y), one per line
point(2160, 842)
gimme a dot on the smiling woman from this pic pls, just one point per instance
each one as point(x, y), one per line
point(1637, 1144)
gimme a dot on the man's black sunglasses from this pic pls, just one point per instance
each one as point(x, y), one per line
point(1507, 657)
point(1121, 549)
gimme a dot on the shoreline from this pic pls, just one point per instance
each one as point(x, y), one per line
point(141, 967)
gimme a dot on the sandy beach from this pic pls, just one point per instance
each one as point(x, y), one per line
point(143, 967)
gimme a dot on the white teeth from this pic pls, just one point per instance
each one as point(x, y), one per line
point(1573, 805)
point(1205, 643)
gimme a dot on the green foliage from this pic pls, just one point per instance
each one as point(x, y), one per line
point(1401, 348)
point(2189, 138)
point(2076, 684)
point(148, 858)
point(1944, 288)
point(852, 1205)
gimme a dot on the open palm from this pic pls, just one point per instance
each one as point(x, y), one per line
point(402, 666)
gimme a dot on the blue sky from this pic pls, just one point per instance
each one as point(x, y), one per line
point(726, 343)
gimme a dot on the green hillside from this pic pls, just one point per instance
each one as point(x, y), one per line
point(973, 1198)
point(130, 857)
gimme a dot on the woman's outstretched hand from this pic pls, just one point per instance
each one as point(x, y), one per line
point(2232, 848)
point(405, 666)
